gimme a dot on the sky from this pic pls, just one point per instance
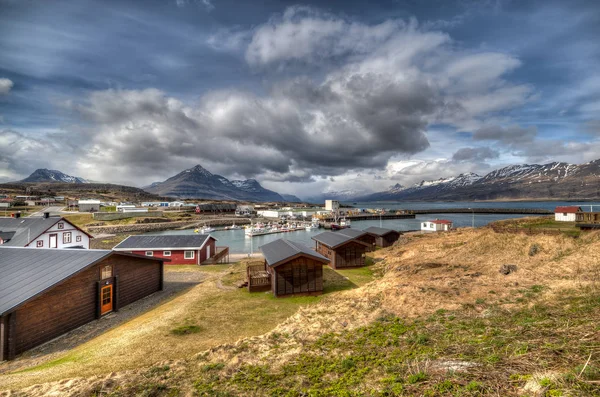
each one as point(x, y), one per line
point(305, 97)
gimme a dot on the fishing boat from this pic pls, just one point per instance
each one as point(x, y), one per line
point(233, 227)
point(206, 230)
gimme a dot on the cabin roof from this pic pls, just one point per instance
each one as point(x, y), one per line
point(164, 242)
point(567, 209)
point(441, 222)
point(28, 229)
point(379, 231)
point(354, 233)
point(335, 240)
point(27, 272)
point(281, 250)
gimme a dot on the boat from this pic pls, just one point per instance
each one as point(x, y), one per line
point(206, 230)
point(311, 227)
point(233, 227)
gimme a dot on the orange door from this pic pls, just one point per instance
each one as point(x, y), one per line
point(106, 302)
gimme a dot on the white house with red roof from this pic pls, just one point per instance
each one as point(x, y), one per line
point(566, 214)
point(437, 225)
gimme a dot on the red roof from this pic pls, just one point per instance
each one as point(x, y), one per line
point(567, 210)
point(442, 222)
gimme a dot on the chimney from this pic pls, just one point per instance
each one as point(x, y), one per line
point(46, 215)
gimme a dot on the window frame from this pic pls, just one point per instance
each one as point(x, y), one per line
point(39, 244)
point(64, 237)
point(107, 268)
point(61, 225)
point(149, 253)
point(185, 254)
point(78, 238)
point(166, 253)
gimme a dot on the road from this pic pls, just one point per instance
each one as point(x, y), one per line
point(53, 210)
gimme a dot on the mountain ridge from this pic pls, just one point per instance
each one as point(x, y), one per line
point(47, 175)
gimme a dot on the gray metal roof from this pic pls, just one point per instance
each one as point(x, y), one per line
point(380, 231)
point(280, 250)
point(26, 229)
point(332, 239)
point(163, 241)
point(354, 233)
point(26, 272)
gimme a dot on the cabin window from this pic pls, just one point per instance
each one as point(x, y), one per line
point(166, 253)
point(149, 253)
point(39, 243)
point(106, 272)
point(66, 237)
point(188, 254)
point(78, 238)
point(564, 214)
point(61, 225)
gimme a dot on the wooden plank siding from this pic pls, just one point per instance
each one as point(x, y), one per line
point(76, 301)
point(300, 276)
point(387, 240)
point(351, 254)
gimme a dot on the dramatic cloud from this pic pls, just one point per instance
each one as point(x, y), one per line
point(21, 154)
point(510, 135)
point(5, 86)
point(480, 154)
point(409, 172)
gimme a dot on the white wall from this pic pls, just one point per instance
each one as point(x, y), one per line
point(67, 228)
point(564, 217)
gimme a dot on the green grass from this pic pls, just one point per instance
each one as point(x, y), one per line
point(186, 330)
point(398, 357)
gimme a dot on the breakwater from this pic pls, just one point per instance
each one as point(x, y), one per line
point(520, 211)
point(157, 227)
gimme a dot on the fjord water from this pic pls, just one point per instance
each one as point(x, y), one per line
point(238, 243)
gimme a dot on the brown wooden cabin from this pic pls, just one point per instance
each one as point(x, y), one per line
point(342, 251)
point(383, 237)
point(360, 235)
point(45, 293)
point(290, 268)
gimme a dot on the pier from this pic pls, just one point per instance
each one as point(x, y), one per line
point(520, 211)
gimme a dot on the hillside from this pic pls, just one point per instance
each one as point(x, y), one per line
point(104, 191)
point(441, 320)
point(198, 182)
point(555, 181)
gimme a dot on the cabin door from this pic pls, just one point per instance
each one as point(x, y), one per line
point(208, 252)
point(53, 240)
point(106, 299)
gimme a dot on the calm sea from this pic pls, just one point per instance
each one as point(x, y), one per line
point(238, 243)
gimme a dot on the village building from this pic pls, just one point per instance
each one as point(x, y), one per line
point(88, 205)
point(332, 205)
point(383, 237)
point(341, 250)
point(360, 235)
point(290, 268)
point(42, 232)
point(45, 293)
point(566, 214)
point(437, 225)
point(195, 249)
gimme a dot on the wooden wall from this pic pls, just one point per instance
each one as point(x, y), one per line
point(75, 301)
point(349, 255)
point(388, 239)
point(301, 275)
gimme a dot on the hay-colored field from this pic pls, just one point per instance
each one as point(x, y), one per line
point(442, 321)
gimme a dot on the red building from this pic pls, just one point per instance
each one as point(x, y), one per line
point(194, 249)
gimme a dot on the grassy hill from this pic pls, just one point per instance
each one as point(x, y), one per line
point(441, 318)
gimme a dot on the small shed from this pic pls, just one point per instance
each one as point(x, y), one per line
point(566, 214)
point(291, 269)
point(383, 237)
point(437, 225)
point(360, 235)
point(45, 293)
point(342, 251)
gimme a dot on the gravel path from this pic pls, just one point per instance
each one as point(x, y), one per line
point(175, 282)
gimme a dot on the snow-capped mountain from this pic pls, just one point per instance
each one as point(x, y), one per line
point(526, 181)
point(198, 182)
point(345, 195)
point(46, 175)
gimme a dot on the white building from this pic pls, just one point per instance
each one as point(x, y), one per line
point(332, 205)
point(42, 232)
point(88, 205)
point(566, 214)
point(176, 204)
point(438, 225)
